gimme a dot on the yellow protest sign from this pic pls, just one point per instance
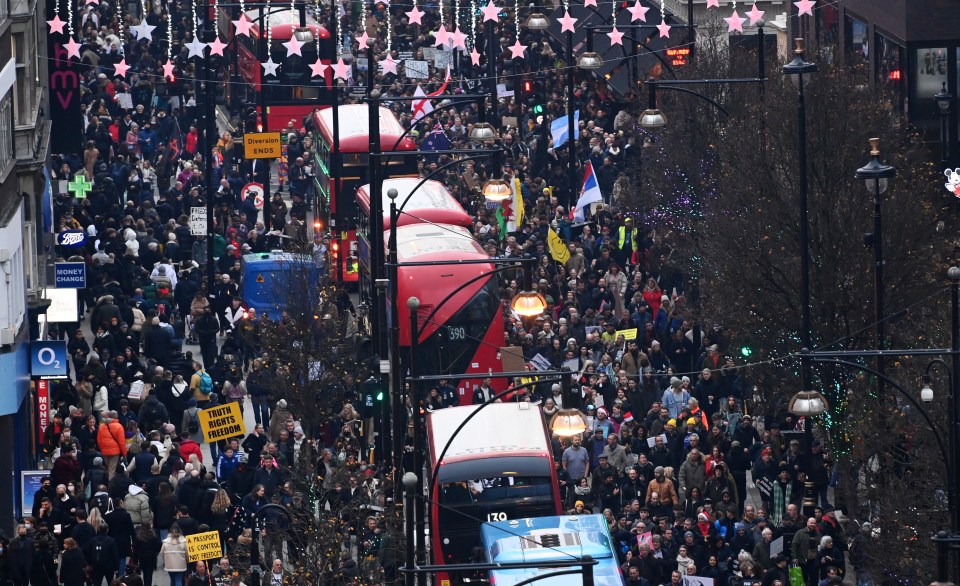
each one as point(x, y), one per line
point(221, 422)
point(204, 546)
point(558, 250)
point(627, 334)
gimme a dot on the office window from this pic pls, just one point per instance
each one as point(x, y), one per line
point(6, 129)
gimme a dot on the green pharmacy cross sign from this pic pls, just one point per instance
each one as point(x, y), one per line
point(80, 186)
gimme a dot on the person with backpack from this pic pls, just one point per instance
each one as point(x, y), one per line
point(153, 413)
point(201, 383)
point(104, 557)
point(120, 528)
point(191, 428)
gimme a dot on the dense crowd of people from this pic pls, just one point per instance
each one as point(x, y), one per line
point(670, 443)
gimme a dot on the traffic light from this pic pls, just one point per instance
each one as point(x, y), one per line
point(746, 349)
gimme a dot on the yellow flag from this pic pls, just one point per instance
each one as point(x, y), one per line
point(518, 202)
point(558, 250)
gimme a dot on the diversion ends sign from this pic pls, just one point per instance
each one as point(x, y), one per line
point(204, 546)
point(261, 145)
point(221, 422)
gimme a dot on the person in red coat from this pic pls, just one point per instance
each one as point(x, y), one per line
point(188, 446)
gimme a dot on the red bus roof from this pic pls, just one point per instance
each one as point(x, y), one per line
point(444, 244)
point(355, 130)
point(282, 24)
point(430, 203)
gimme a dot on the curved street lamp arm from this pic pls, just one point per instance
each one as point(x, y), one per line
point(944, 364)
point(497, 270)
point(694, 93)
point(493, 399)
point(923, 412)
point(483, 155)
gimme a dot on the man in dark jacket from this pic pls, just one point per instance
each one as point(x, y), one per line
point(122, 531)
point(104, 557)
point(157, 344)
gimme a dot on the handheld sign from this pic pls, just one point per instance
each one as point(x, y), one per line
point(221, 422)
point(204, 546)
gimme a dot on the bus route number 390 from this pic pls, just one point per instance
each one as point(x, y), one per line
point(456, 333)
point(496, 516)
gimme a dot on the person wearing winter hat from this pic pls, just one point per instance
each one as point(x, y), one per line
point(675, 398)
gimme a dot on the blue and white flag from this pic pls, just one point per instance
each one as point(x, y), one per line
point(560, 132)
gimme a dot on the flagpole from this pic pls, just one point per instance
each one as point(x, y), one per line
point(571, 131)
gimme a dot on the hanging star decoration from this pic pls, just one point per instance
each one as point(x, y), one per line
point(664, 29)
point(713, 3)
point(516, 50)
point(341, 70)
point(195, 48)
point(56, 25)
point(317, 68)
point(73, 48)
point(441, 37)
point(638, 12)
point(243, 25)
point(120, 69)
point(269, 67)
point(459, 39)
point(415, 15)
point(362, 39)
point(616, 37)
point(388, 65)
point(490, 12)
point(589, 2)
point(294, 46)
point(143, 30)
point(566, 22)
point(168, 69)
point(805, 7)
point(755, 15)
point(474, 56)
point(734, 22)
point(217, 46)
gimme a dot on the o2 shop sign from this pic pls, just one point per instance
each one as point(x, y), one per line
point(71, 238)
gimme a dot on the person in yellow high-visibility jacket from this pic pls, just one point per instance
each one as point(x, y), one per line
point(627, 237)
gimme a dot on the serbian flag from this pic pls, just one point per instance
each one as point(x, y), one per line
point(424, 107)
point(589, 193)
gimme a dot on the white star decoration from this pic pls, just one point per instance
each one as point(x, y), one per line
point(195, 48)
point(269, 67)
point(143, 30)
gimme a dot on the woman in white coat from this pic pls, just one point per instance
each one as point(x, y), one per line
point(174, 552)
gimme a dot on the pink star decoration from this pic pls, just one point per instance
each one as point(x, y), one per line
point(294, 46)
point(755, 15)
point(168, 69)
point(474, 56)
point(616, 37)
point(441, 37)
point(517, 50)
point(638, 12)
point(459, 39)
point(121, 68)
point(805, 7)
point(415, 15)
point(73, 48)
point(243, 25)
point(566, 23)
point(490, 12)
point(56, 25)
point(713, 3)
point(317, 68)
point(734, 22)
point(389, 65)
point(362, 39)
point(341, 70)
point(664, 29)
point(217, 46)
point(589, 2)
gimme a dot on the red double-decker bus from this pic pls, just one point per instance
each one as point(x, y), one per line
point(292, 94)
point(338, 208)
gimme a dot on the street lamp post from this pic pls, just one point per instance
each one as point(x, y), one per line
point(800, 71)
point(943, 100)
point(876, 175)
point(811, 404)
